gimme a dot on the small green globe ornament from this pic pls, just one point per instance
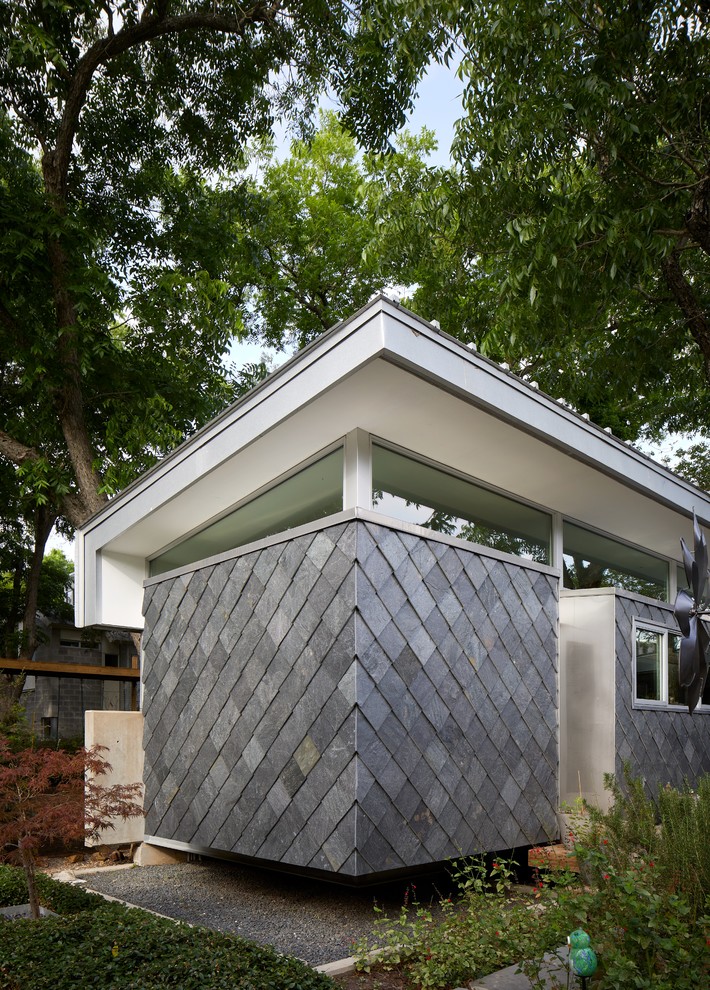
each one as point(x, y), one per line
point(584, 961)
point(582, 957)
point(579, 940)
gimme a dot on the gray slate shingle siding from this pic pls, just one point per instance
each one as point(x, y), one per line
point(354, 700)
point(663, 747)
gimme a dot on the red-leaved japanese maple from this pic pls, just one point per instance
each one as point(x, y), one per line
point(49, 795)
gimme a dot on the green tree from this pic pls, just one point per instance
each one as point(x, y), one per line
point(114, 312)
point(579, 210)
point(56, 584)
point(307, 251)
point(52, 598)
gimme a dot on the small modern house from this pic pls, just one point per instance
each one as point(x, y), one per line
point(396, 605)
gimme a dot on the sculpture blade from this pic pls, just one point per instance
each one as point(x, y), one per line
point(695, 691)
point(701, 559)
point(703, 644)
point(689, 654)
point(688, 562)
point(682, 610)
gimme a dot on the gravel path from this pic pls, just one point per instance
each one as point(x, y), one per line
point(315, 921)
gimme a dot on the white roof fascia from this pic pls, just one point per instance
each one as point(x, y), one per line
point(376, 331)
point(258, 412)
point(536, 413)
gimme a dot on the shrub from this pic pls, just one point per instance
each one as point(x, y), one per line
point(671, 832)
point(61, 898)
point(645, 904)
point(118, 948)
point(644, 934)
point(478, 932)
point(48, 795)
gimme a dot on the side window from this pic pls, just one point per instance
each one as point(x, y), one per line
point(650, 649)
point(657, 669)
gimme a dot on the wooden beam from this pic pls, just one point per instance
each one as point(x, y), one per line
point(55, 668)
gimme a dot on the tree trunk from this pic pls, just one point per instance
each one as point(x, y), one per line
point(695, 316)
point(69, 399)
point(28, 864)
point(9, 644)
point(44, 520)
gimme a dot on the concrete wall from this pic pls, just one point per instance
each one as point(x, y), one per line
point(587, 694)
point(600, 729)
point(355, 700)
point(122, 735)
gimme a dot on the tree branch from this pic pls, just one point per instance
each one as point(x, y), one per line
point(155, 25)
point(695, 316)
point(13, 450)
point(73, 508)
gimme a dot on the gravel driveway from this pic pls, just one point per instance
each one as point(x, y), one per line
point(315, 921)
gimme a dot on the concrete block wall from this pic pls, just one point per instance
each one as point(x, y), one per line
point(355, 700)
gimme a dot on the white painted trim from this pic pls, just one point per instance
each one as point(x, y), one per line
point(436, 357)
point(144, 519)
point(620, 592)
point(357, 470)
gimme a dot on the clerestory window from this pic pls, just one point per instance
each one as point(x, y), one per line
point(412, 491)
point(312, 493)
point(592, 560)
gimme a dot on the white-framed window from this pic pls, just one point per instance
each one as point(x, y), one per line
point(594, 560)
point(312, 492)
point(656, 668)
point(412, 490)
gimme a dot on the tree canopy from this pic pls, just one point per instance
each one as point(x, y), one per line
point(309, 247)
point(114, 309)
point(580, 206)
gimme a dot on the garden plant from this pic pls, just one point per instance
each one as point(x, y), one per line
point(96, 944)
point(49, 795)
point(643, 896)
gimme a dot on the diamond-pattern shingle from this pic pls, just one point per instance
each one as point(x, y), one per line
point(661, 746)
point(356, 699)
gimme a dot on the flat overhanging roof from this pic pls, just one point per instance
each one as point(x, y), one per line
point(390, 373)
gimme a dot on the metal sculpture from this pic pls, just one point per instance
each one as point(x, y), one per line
point(689, 609)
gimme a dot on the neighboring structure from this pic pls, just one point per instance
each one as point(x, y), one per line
point(81, 670)
point(378, 593)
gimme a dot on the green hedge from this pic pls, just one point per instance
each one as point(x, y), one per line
point(59, 897)
point(109, 946)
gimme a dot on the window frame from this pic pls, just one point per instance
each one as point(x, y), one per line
point(663, 704)
point(470, 479)
point(338, 444)
point(602, 534)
